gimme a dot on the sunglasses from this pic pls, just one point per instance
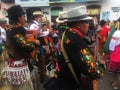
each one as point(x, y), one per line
point(85, 21)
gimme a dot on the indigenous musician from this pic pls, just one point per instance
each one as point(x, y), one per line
point(77, 59)
point(17, 74)
point(37, 25)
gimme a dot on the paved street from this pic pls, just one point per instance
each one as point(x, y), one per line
point(105, 82)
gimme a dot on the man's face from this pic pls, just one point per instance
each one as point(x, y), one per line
point(83, 26)
point(39, 18)
point(22, 20)
point(3, 25)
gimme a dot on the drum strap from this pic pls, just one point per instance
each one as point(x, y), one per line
point(69, 64)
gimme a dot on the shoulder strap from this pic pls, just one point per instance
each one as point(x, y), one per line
point(67, 59)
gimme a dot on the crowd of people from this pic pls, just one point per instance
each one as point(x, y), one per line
point(41, 56)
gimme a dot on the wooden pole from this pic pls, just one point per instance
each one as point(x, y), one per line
point(95, 82)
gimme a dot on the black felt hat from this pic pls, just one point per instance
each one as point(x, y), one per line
point(15, 11)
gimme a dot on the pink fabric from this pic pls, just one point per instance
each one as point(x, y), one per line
point(114, 67)
point(115, 55)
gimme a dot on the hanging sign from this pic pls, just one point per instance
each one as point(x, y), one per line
point(32, 3)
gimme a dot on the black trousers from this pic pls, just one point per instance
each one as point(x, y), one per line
point(56, 84)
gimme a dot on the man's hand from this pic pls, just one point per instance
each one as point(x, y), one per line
point(37, 42)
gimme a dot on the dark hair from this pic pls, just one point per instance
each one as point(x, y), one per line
point(13, 21)
point(118, 19)
point(72, 24)
point(34, 16)
point(102, 22)
point(91, 25)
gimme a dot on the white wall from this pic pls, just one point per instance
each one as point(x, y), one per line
point(3, 9)
point(107, 5)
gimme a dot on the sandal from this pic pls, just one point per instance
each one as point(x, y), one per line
point(115, 85)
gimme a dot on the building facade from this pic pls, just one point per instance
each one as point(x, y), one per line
point(102, 9)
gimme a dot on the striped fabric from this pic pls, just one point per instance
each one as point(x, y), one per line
point(16, 72)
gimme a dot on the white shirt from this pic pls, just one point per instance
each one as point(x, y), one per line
point(44, 33)
point(3, 35)
point(115, 40)
point(34, 25)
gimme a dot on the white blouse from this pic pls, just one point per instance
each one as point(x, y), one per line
point(115, 40)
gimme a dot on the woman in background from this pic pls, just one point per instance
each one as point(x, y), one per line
point(114, 64)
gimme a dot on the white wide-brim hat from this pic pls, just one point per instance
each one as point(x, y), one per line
point(37, 13)
point(78, 14)
point(62, 17)
point(58, 20)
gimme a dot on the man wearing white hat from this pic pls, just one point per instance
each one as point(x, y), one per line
point(37, 25)
point(77, 59)
point(37, 19)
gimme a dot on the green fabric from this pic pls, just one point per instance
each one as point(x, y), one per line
point(1, 50)
point(106, 45)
